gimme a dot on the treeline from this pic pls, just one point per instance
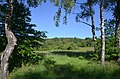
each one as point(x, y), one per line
point(66, 43)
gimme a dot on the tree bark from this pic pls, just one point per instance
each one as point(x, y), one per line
point(117, 28)
point(11, 39)
point(102, 32)
point(92, 20)
point(93, 24)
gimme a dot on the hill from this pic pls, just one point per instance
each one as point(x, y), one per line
point(66, 43)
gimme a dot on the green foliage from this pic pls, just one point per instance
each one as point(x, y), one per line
point(63, 67)
point(110, 39)
point(109, 27)
point(85, 10)
point(66, 44)
point(110, 48)
point(65, 5)
point(28, 39)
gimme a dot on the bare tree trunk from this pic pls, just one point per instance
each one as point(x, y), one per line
point(117, 28)
point(92, 20)
point(11, 39)
point(102, 32)
point(93, 25)
point(118, 40)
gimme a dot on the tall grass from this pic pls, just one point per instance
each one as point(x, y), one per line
point(64, 67)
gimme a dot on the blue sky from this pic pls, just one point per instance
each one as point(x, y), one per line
point(42, 16)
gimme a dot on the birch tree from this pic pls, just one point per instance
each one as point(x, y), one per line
point(11, 39)
point(113, 6)
point(102, 32)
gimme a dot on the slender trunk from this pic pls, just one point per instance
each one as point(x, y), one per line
point(11, 39)
point(102, 33)
point(117, 28)
point(93, 25)
point(92, 20)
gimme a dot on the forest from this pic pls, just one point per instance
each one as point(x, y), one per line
point(27, 53)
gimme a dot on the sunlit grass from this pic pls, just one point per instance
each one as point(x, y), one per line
point(64, 67)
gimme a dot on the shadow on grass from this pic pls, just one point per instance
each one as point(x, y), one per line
point(68, 72)
point(87, 55)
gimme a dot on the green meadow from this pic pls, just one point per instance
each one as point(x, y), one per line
point(57, 66)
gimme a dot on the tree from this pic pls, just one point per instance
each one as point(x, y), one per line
point(11, 38)
point(67, 6)
point(87, 12)
point(110, 48)
point(92, 19)
point(102, 32)
point(28, 38)
point(113, 6)
point(117, 30)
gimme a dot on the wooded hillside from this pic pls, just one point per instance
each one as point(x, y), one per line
point(66, 43)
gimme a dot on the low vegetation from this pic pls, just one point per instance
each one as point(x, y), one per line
point(65, 67)
point(59, 58)
point(66, 44)
point(67, 64)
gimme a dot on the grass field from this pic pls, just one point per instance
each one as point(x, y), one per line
point(81, 49)
point(65, 67)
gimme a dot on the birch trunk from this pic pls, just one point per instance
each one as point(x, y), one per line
point(11, 39)
point(102, 32)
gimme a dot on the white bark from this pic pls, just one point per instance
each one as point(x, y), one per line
point(102, 32)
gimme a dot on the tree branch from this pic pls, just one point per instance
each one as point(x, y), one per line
point(86, 23)
point(83, 21)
